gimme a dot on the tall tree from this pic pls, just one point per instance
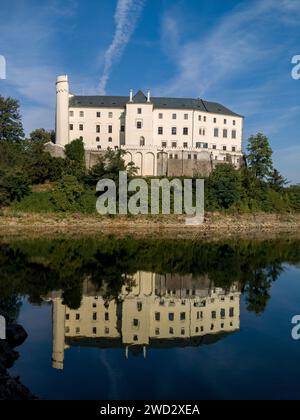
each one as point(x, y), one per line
point(11, 128)
point(40, 135)
point(277, 181)
point(260, 155)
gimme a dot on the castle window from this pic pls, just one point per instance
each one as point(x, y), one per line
point(99, 147)
point(94, 330)
point(186, 116)
point(204, 119)
point(200, 118)
point(135, 338)
point(110, 139)
point(214, 315)
point(139, 306)
point(67, 317)
point(97, 139)
point(142, 141)
point(80, 127)
point(135, 323)
point(81, 114)
point(157, 331)
point(189, 157)
point(182, 331)
point(171, 331)
point(81, 138)
point(174, 131)
point(215, 120)
point(216, 132)
point(164, 144)
point(160, 116)
point(122, 128)
point(139, 125)
point(106, 316)
point(110, 129)
point(197, 330)
point(231, 312)
point(77, 330)
point(174, 116)
point(139, 111)
point(67, 330)
point(157, 316)
point(174, 145)
point(171, 156)
point(233, 134)
point(171, 316)
point(225, 122)
point(160, 131)
point(214, 147)
point(71, 127)
point(224, 148)
point(98, 114)
point(110, 115)
point(185, 131)
point(71, 113)
point(77, 317)
point(176, 157)
point(198, 145)
point(106, 330)
point(95, 316)
point(182, 316)
point(233, 149)
point(222, 313)
point(225, 134)
point(233, 122)
point(195, 157)
point(97, 128)
point(185, 145)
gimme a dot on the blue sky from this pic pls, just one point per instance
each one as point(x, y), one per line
point(235, 52)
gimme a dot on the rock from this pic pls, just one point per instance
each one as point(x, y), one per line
point(7, 355)
point(15, 335)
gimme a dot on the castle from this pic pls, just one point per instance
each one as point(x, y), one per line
point(157, 311)
point(162, 136)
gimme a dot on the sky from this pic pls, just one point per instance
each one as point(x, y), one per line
point(238, 53)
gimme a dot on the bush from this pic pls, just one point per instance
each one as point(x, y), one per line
point(13, 187)
point(67, 195)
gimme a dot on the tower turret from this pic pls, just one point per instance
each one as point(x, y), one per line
point(62, 110)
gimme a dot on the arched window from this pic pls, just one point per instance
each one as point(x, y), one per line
point(97, 139)
point(142, 141)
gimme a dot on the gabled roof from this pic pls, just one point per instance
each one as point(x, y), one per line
point(158, 103)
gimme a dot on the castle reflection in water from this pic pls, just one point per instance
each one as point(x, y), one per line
point(156, 311)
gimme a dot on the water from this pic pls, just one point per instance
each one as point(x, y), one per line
point(154, 319)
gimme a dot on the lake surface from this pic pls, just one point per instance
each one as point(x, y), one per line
point(116, 318)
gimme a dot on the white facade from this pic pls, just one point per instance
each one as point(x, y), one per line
point(188, 129)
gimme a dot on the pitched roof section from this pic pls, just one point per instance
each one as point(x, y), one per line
point(158, 103)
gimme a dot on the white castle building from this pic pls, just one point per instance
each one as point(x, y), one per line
point(162, 136)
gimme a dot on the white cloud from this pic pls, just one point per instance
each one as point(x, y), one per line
point(235, 43)
point(126, 17)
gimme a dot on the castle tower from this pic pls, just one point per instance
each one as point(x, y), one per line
point(58, 315)
point(62, 110)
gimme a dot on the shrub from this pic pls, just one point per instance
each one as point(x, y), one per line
point(67, 195)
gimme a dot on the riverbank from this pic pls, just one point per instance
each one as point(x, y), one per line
point(256, 225)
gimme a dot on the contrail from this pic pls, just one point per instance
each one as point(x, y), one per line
point(126, 17)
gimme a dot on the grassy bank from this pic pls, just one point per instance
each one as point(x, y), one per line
point(216, 225)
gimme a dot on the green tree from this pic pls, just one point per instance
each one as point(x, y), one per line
point(75, 159)
point(277, 181)
point(67, 195)
point(259, 156)
point(13, 186)
point(224, 187)
point(11, 128)
point(40, 135)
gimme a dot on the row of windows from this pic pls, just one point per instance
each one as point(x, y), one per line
point(98, 114)
point(198, 145)
point(160, 116)
point(94, 330)
point(94, 316)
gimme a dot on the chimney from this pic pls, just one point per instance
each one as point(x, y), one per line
point(131, 96)
point(149, 96)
